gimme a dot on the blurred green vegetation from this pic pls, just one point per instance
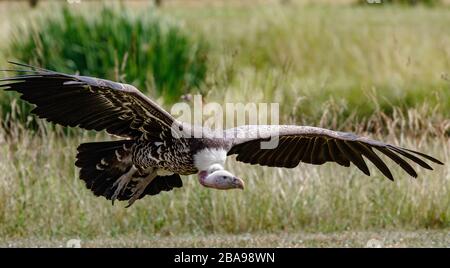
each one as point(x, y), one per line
point(149, 51)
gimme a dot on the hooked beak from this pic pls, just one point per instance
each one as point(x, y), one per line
point(238, 183)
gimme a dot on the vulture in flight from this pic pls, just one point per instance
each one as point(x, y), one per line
point(156, 148)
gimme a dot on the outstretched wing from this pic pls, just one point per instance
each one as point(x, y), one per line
point(89, 103)
point(317, 146)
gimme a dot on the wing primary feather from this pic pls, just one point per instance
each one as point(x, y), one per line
point(336, 154)
point(373, 157)
point(410, 156)
point(421, 154)
point(353, 156)
point(397, 159)
point(56, 97)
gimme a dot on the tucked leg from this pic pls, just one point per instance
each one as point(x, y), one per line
point(140, 187)
point(122, 182)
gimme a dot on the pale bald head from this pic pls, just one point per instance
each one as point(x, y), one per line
point(220, 179)
point(212, 174)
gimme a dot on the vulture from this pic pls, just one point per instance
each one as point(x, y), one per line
point(156, 149)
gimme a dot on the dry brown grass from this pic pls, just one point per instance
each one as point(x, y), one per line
point(42, 195)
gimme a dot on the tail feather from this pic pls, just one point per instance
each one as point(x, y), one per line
point(102, 163)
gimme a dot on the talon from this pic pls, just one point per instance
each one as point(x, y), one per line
point(140, 188)
point(122, 182)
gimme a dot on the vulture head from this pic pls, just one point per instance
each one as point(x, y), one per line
point(218, 178)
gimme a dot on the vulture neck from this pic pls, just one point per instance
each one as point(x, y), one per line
point(210, 159)
point(207, 161)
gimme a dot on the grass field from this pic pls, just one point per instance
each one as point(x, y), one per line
point(40, 190)
point(381, 72)
point(368, 239)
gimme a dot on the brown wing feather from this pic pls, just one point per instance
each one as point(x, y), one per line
point(317, 146)
point(90, 103)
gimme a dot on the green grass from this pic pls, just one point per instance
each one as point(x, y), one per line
point(42, 195)
point(378, 72)
point(370, 239)
point(304, 57)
